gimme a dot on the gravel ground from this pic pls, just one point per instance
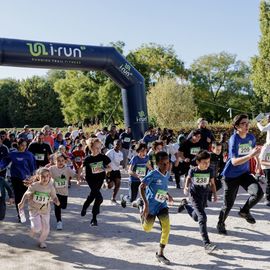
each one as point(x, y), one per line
point(120, 243)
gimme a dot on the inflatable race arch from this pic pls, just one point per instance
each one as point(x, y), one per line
point(25, 53)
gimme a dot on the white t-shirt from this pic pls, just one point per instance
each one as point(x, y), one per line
point(116, 158)
point(173, 149)
point(265, 155)
point(74, 134)
point(101, 137)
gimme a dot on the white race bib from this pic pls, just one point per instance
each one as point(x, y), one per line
point(126, 139)
point(201, 179)
point(244, 149)
point(161, 196)
point(267, 157)
point(41, 197)
point(78, 159)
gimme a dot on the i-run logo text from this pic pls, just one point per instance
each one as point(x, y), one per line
point(39, 49)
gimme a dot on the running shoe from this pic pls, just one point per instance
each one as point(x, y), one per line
point(209, 248)
point(162, 259)
point(221, 228)
point(182, 205)
point(42, 245)
point(93, 222)
point(123, 201)
point(83, 212)
point(247, 216)
point(140, 205)
point(59, 226)
point(113, 202)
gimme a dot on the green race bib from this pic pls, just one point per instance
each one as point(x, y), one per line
point(140, 171)
point(244, 149)
point(161, 196)
point(60, 182)
point(41, 197)
point(201, 179)
point(97, 167)
point(194, 150)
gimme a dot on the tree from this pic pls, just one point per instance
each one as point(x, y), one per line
point(8, 91)
point(78, 95)
point(261, 63)
point(170, 102)
point(220, 82)
point(39, 102)
point(153, 61)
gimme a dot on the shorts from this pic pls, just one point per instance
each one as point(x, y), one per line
point(114, 175)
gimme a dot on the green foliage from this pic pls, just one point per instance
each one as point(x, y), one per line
point(153, 61)
point(170, 102)
point(39, 102)
point(110, 103)
point(78, 95)
point(260, 64)
point(8, 90)
point(221, 82)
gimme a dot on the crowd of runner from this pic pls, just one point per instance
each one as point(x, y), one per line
point(38, 166)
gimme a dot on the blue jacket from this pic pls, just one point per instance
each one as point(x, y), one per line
point(23, 164)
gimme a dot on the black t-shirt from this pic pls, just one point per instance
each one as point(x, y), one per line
point(200, 181)
point(126, 139)
point(109, 140)
point(190, 149)
point(95, 166)
point(41, 151)
point(216, 163)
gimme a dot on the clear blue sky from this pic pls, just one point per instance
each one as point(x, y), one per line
point(193, 27)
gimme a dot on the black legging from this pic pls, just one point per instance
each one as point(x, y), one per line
point(19, 189)
point(63, 205)
point(231, 186)
point(95, 194)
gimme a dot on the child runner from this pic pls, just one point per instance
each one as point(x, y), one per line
point(39, 193)
point(199, 179)
point(114, 176)
point(154, 201)
point(61, 176)
point(95, 168)
point(157, 146)
point(216, 164)
point(3, 187)
point(242, 147)
point(78, 156)
point(137, 170)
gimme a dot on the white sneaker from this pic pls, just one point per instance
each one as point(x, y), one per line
point(59, 226)
point(42, 245)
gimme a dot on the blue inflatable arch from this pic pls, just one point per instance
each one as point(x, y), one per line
point(26, 53)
